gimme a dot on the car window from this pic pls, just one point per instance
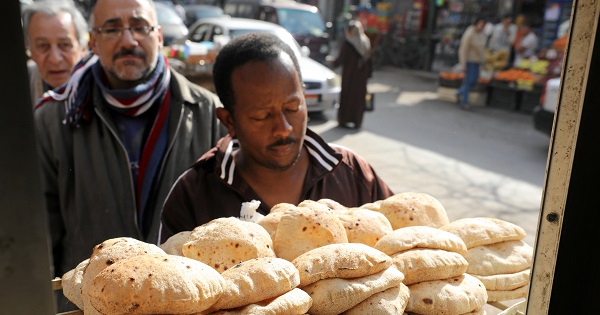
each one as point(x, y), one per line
point(268, 14)
point(301, 22)
point(240, 9)
point(216, 31)
point(199, 34)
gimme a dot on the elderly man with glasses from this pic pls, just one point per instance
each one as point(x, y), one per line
point(55, 38)
point(120, 132)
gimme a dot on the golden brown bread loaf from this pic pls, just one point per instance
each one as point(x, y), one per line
point(420, 237)
point(424, 264)
point(346, 260)
point(71, 284)
point(295, 302)
point(363, 225)
point(174, 244)
point(484, 231)
point(156, 284)
point(411, 208)
point(458, 295)
point(106, 254)
point(257, 280)
point(389, 302)
point(301, 229)
point(335, 295)
point(225, 242)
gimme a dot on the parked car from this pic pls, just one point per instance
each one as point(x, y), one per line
point(195, 12)
point(322, 84)
point(172, 25)
point(543, 114)
point(304, 21)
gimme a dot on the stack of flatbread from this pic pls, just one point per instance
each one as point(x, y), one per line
point(127, 276)
point(411, 209)
point(351, 278)
point(497, 255)
point(435, 271)
point(262, 286)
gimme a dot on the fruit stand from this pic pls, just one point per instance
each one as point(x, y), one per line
point(517, 89)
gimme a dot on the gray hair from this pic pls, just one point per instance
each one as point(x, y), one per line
point(53, 8)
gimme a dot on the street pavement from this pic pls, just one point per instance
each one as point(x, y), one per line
point(486, 162)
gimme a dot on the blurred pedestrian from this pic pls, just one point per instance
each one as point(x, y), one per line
point(471, 55)
point(355, 59)
point(503, 35)
point(113, 140)
point(56, 37)
point(527, 46)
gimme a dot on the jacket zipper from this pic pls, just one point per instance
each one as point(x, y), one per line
point(131, 186)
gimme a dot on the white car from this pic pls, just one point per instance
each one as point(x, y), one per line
point(323, 86)
point(543, 115)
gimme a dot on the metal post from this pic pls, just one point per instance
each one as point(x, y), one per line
point(25, 271)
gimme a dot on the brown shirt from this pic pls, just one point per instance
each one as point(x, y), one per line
point(212, 188)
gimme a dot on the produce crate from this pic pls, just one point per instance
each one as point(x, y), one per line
point(530, 99)
point(502, 94)
point(449, 83)
point(476, 98)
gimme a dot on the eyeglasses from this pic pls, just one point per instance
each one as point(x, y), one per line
point(138, 32)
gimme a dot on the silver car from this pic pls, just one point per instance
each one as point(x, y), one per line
point(322, 84)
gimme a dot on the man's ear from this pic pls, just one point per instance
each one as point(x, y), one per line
point(92, 42)
point(226, 119)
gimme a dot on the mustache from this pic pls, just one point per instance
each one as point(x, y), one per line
point(281, 142)
point(129, 52)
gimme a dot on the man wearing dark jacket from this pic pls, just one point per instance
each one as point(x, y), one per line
point(115, 138)
point(269, 154)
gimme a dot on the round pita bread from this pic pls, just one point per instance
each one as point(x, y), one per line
point(420, 237)
point(295, 302)
point(108, 253)
point(225, 242)
point(302, 229)
point(282, 207)
point(336, 295)
point(507, 281)
point(364, 226)
point(346, 260)
point(410, 209)
point(156, 284)
point(500, 258)
point(256, 280)
point(71, 284)
point(483, 231)
point(332, 204)
point(505, 295)
point(389, 302)
point(375, 206)
point(270, 222)
point(174, 244)
point(314, 205)
point(423, 264)
point(457, 295)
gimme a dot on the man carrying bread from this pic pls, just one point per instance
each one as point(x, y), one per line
point(117, 135)
point(269, 154)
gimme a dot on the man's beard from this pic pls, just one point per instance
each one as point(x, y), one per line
point(278, 167)
point(133, 72)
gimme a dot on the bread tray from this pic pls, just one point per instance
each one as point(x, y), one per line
point(56, 286)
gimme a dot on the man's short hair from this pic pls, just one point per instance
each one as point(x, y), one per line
point(241, 50)
point(95, 2)
point(53, 8)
